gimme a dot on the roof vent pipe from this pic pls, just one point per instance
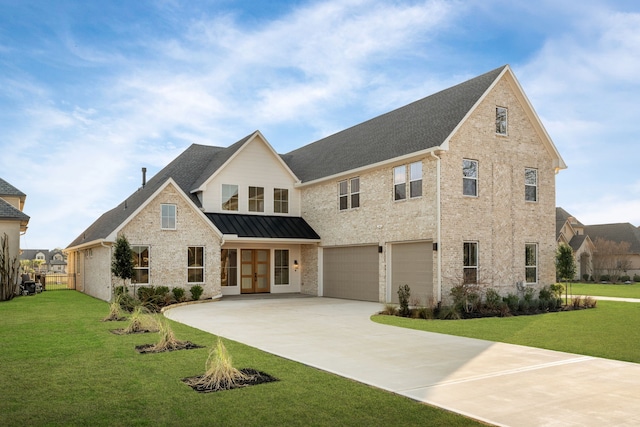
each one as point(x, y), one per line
point(144, 177)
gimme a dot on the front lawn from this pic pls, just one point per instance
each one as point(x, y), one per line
point(610, 330)
point(62, 366)
point(609, 290)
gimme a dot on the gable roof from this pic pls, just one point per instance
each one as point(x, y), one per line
point(416, 127)
point(562, 217)
point(7, 189)
point(8, 212)
point(620, 232)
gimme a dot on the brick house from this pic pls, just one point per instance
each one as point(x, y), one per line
point(458, 187)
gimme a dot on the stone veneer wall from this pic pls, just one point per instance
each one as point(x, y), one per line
point(379, 220)
point(309, 269)
point(168, 248)
point(499, 219)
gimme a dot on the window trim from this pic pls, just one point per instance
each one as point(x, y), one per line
point(280, 268)
point(196, 267)
point(257, 199)
point(499, 121)
point(279, 201)
point(354, 193)
point(137, 261)
point(168, 217)
point(397, 182)
point(527, 266)
point(534, 186)
point(235, 197)
point(411, 181)
point(475, 266)
point(471, 178)
point(228, 268)
point(346, 194)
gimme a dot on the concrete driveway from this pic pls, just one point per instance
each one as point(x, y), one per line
point(501, 384)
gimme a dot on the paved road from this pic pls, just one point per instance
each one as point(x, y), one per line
point(498, 383)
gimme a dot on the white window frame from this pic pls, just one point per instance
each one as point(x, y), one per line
point(281, 200)
point(468, 264)
point(168, 216)
point(502, 121)
point(473, 178)
point(228, 193)
point(196, 267)
point(528, 185)
point(415, 175)
point(400, 182)
point(278, 269)
point(137, 263)
point(256, 199)
point(354, 195)
point(347, 195)
point(227, 268)
point(530, 266)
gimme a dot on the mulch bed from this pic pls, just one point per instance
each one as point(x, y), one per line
point(121, 331)
point(255, 378)
point(148, 348)
point(115, 319)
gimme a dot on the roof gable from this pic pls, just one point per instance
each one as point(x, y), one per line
point(9, 212)
point(7, 189)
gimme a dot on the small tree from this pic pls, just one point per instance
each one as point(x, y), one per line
point(122, 262)
point(9, 268)
point(565, 265)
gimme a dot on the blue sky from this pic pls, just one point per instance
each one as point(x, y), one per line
point(91, 91)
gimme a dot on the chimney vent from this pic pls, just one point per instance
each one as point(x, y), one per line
point(144, 177)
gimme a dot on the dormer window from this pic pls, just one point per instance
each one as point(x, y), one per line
point(501, 120)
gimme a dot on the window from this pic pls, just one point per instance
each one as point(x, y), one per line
point(168, 217)
point(349, 199)
point(229, 267)
point(256, 199)
point(415, 179)
point(195, 264)
point(501, 120)
point(531, 263)
point(281, 267)
point(470, 177)
point(470, 261)
point(229, 197)
point(40, 256)
point(140, 264)
point(400, 183)
point(280, 200)
point(531, 185)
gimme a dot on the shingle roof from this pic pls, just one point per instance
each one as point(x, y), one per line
point(415, 127)
point(7, 189)
point(8, 212)
point(577, 241)
point(263, 226)
point(620, 232)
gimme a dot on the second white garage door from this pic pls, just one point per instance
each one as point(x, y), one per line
point(351, 272)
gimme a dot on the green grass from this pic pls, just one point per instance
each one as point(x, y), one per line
point(62, 366)
point(610, 330)
point(609, 290)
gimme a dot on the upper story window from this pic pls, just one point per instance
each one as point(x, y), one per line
point(140, 264)
point(470, 262)
point(531, 262)
point(168, 217)
point(256, 199)
point(40, 256)
point(470, 177)
point(195, 264)
point(501, 120)
point(229, 197)
point(280, 200)
point(349, 193)
point(531, 185)
point(414, 179)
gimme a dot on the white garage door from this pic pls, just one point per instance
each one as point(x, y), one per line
point(412, 264)
point(351, 273)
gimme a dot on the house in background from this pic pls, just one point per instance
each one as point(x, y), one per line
point(13, 221)
point(44, 260)
point(456, 188)
point(582, 240)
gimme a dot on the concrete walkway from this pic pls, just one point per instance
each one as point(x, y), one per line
point(498, 383)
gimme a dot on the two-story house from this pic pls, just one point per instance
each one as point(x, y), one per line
point(13, 221)
point(458, 187)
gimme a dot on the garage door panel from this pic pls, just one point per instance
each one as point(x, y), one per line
point(351, 272)
point(412, 264)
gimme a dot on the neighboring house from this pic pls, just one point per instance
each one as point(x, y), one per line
point(571, 231)
point(458, 187)
point(582, 240)
point(13, 222)
point(44, 260)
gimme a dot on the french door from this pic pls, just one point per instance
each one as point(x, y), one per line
point(254, 271)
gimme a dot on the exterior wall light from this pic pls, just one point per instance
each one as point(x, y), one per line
point(295, 265)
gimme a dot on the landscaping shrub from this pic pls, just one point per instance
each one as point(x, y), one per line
point(512, 302)
point(196, 292)
point(466, 298)
point(545, 293)
point(404, 292)
point(605, 278)
point(389, 309)
point(625, 278)
point(636, 278)
point(492, 300)
point(586, 277)
point(178, 294)
point(161, 291)
point(557, 289)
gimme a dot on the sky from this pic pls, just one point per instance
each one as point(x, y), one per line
point(92, 91)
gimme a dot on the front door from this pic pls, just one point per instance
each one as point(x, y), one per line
point(254, 271)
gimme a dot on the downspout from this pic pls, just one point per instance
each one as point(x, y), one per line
point(110, 275)
point(438, 235)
